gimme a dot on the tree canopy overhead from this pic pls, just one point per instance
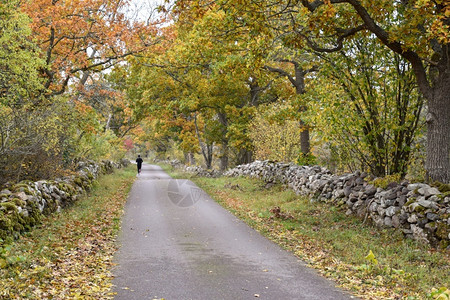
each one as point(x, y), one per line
point(418, 31)
point(363, 84)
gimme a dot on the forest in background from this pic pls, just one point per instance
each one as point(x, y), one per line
point(345, 84)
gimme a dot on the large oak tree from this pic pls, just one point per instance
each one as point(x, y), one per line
point(416, 30)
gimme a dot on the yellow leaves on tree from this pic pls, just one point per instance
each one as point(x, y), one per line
point(279, 141)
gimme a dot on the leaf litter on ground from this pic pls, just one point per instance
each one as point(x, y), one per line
point(70, 255)
point(305, 231)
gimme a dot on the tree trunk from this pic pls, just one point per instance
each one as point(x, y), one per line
point(438, 134)
point(208, 155)
point(224, 157)
point(244, 157)
point(224, 140)
point(305, 146)
point(189, 158)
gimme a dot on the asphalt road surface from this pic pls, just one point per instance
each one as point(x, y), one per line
point(178, 244)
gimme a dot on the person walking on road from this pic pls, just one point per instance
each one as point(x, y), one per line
point(139, 163)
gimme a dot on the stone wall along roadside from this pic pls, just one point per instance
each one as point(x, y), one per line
point(418, 210)
point(23, 205)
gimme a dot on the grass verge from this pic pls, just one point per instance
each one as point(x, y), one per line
point(69, 256)
point(370, 262)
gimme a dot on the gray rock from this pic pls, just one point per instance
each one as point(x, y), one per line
point(424, 203)
point(381, 211)
point(358, 204)
point(388, 222)
point(419, 234)
point(432, 216)
point(407, 231)
point(5, 192)
point(403, 217)
point(373, 207)
point(22, 196)
point(370, 190)
point(390, 211)
point(413, 219)
point(347, 191)
point(428, 191)
point(401, 200)
point(378, 220)
point(396, 221)
point(385, 206)
point(422, 221)
point(434, 199)
point(414, 186)
point(359, 181)
point(339, 193)
point(390, 202)
point(390, 195)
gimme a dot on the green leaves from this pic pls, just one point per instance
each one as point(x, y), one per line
point(440, 294)
point(19, 58)
point(371, 258)
point(368, 107)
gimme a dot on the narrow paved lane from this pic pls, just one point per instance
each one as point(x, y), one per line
point(178, 244)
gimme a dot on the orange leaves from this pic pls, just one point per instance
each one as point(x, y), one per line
point(83, 35)
point(439, 27)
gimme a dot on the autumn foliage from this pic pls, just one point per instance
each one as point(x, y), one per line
point(366, 83)
point(56, 105)
point(358, 58)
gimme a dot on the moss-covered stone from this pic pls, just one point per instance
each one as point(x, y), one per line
point(18, 202)
point(68, 189)
point(410, 201)
point(443, 195)
point(20, 185)
point(60, 186)
point(78, 181)
point(442, 230)
point(419, 209)
point(8, 206)
point(443, 244)
point(50, 206)
point(442, 187)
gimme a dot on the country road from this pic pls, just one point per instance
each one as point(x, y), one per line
point(178, 244)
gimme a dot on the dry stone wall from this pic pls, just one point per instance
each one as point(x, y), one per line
point(23, 205)
point(420, 211)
